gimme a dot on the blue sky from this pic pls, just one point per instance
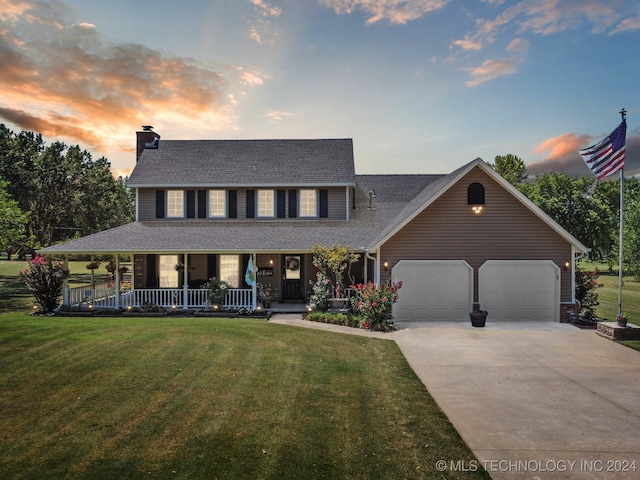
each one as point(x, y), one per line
point(422, 86)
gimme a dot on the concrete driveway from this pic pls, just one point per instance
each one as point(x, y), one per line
point(535, 401)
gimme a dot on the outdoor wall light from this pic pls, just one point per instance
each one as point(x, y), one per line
point(567, 265)
point(271, 261)
point(477, 209)
point(386, 265)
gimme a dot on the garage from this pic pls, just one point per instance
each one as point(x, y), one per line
point(433, 290)
point(520, 290)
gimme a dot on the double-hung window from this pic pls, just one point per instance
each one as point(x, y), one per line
point(230, 270)
point(308, 203)
point(266, 204)
point(217, 203)
point(175, 203)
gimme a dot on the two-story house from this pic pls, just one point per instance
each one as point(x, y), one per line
point(206, 207)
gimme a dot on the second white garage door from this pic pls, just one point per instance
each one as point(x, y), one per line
point(520, 290)
point(433, 290)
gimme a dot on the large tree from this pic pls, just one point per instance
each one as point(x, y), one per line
point(65, 191)
point(12, 220)
point(512, 168)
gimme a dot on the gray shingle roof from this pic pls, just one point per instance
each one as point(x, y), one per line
point(246, 162)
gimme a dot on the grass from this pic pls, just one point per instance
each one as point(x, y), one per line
point(212, 398)
point(608, 294)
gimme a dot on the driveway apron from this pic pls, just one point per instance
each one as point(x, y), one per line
point(533, 400)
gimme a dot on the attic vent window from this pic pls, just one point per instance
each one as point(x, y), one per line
point(475, 197)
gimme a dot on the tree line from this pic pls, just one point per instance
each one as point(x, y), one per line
point(587, 208)
point(51, 193)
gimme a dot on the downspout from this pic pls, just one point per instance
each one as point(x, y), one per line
point(376, 271)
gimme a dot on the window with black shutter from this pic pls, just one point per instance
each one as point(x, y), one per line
point(324, 203)
point(293, 204)
point(191, 204)
point(281, 204)
point(251, 203)
point(233, 203)
point(159, 203)
point(202, 204)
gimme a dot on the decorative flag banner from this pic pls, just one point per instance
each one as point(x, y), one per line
point(250, 275)
point(607, 157)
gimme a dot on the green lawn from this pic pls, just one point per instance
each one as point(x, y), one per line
point(212, 398)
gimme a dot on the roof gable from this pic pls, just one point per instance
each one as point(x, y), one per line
point(179, 163)
point(436, 189)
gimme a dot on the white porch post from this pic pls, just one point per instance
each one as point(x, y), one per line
point(65, 283)
point(117, 273)
point(376, 278)
point(185, 284)
point(254, 287)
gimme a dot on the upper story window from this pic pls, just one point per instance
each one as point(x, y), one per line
point(308, 203)
point(266, 206)
point(475, 194)
point(217, 203)
point(175, 203)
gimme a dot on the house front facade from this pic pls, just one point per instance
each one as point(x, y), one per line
point(208, 208)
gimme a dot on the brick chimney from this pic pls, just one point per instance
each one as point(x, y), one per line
point(146, 138)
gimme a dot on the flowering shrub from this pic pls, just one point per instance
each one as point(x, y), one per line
point(373, 303)
point(44, 279)
point(322, 292)
point(217, 290)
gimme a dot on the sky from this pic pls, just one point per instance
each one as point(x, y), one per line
point(421, 86)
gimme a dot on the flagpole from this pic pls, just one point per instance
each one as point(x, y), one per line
point(623, 113)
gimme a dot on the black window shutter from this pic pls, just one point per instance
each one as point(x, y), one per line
point(324, 203)
point(233, 204)
point(293, 204)
point(152, 277)
point(191, 204)
point(159, 203)
point(211, 265)
point(202, 204)
point(282, 198)
point(251, 203)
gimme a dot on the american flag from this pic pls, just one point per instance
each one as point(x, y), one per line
point(607, 157)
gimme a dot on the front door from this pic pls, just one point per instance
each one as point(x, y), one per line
point(293, 278)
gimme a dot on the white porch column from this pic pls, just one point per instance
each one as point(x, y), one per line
point(117, 274)
point(185, 282)
point(65, 283)
point(376, 278)
point(254, 287)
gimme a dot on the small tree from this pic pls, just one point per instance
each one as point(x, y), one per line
point(44, 279)
point(333, 262)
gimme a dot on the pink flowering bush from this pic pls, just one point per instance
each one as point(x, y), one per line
point(373, 304)
point(44, 279)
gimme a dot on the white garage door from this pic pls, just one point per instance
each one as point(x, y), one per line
point(433, 290)
point(520, 290)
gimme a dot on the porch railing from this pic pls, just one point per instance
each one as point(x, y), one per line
point(160, 297)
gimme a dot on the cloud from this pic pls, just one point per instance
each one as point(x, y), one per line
point(546, 17)
point(261, 29)
point(563, 154)
point(627, 25)
point(278, 115)
point(62, 78)
point(491, 69)
point(394, 11)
